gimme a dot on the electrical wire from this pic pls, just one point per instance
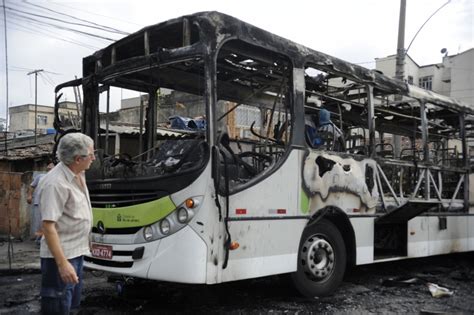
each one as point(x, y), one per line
point(109, 17)
point(60, 27)
point(46, 75)
point(26, 29)
point(53, 72)
point(60, 35)
point(20, 68)
point(64, 21)
point(45, 82)
point(76, 18)
point(36, 22)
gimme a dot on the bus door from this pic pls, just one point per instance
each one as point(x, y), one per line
point(258, 170)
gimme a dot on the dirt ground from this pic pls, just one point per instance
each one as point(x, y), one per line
point(369, 289)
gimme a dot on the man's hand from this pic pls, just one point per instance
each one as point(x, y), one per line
point(66, 270)
point(68, 273)
point(29, 195)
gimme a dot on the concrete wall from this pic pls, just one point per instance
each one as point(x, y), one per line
point(23, 117)
point(453, 77)
point(386, 65)
point(462, 76)
point(436, 72)
point(18, 121)
point(14, 210)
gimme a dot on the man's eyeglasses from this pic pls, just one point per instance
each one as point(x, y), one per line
point(90, 155)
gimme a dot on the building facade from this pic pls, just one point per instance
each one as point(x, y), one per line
point(453, 77)
point(22, 117)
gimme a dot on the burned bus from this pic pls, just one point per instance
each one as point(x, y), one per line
point(214, 176)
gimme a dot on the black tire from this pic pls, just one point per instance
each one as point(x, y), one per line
point(321, 260)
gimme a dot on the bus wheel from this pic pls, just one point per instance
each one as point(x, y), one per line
point(321, 260)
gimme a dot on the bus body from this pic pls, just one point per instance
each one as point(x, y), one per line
point(212, 177)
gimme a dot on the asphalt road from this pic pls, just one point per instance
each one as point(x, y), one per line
point(379, 288)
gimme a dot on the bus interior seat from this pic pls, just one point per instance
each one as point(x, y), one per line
point(410, 154)
point(311, 136)
point(236, 167)
point(355, 144)
point(385, 150)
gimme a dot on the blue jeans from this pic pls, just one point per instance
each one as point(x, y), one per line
point(56, 296)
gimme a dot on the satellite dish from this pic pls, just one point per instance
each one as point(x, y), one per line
point(444, 51)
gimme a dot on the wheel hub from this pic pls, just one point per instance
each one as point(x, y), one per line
point(317, 258)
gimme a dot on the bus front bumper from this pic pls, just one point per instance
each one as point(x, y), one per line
point(180, 257)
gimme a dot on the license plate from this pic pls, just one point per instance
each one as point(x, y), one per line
point(101, 251)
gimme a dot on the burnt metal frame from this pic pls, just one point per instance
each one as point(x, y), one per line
point(215, 29)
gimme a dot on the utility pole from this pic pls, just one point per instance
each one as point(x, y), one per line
point(6, 74)
point(36, 98)
point(400, 65)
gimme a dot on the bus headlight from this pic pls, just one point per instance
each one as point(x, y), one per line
point(148, 233)
point(165, 226)
point(174, 221)
point(183, 215)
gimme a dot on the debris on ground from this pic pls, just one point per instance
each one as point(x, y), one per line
point(437, 291)
point(401, 281)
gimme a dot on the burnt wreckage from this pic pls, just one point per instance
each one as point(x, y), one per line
point(403, 152)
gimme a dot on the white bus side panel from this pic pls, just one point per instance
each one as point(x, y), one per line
point(451, 240)
point(266, 248)
point(418, 237)
point(268, 242)
point(425, 238)
point(364, 237)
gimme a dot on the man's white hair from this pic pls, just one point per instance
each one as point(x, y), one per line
point(72, 145)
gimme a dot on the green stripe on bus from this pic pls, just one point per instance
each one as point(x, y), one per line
point(304, 202)
point(133, 216)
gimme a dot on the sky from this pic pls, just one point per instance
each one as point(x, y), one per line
point(356, 31)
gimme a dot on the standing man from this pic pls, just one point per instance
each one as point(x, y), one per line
point(67, 217)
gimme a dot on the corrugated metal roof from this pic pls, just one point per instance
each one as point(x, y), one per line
point(26, 152)
point(134, 130)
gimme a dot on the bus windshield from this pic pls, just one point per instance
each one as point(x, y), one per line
point(151, 123)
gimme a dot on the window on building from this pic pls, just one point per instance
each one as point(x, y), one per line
point(426, 82)
point(246, 115)
point(42, 120)
point(410, 79)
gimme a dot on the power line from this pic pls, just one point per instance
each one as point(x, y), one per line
point(56, 35)
point(76, 18)
point(48, 78)
point(20, 68)
point(46, 82)
point(37, 25)
point(66, 22)
point(109, 17)
point(37, 32)
point(60, 27)
point(53, 72)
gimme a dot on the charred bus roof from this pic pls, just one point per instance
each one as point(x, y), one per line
point(203, 33)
